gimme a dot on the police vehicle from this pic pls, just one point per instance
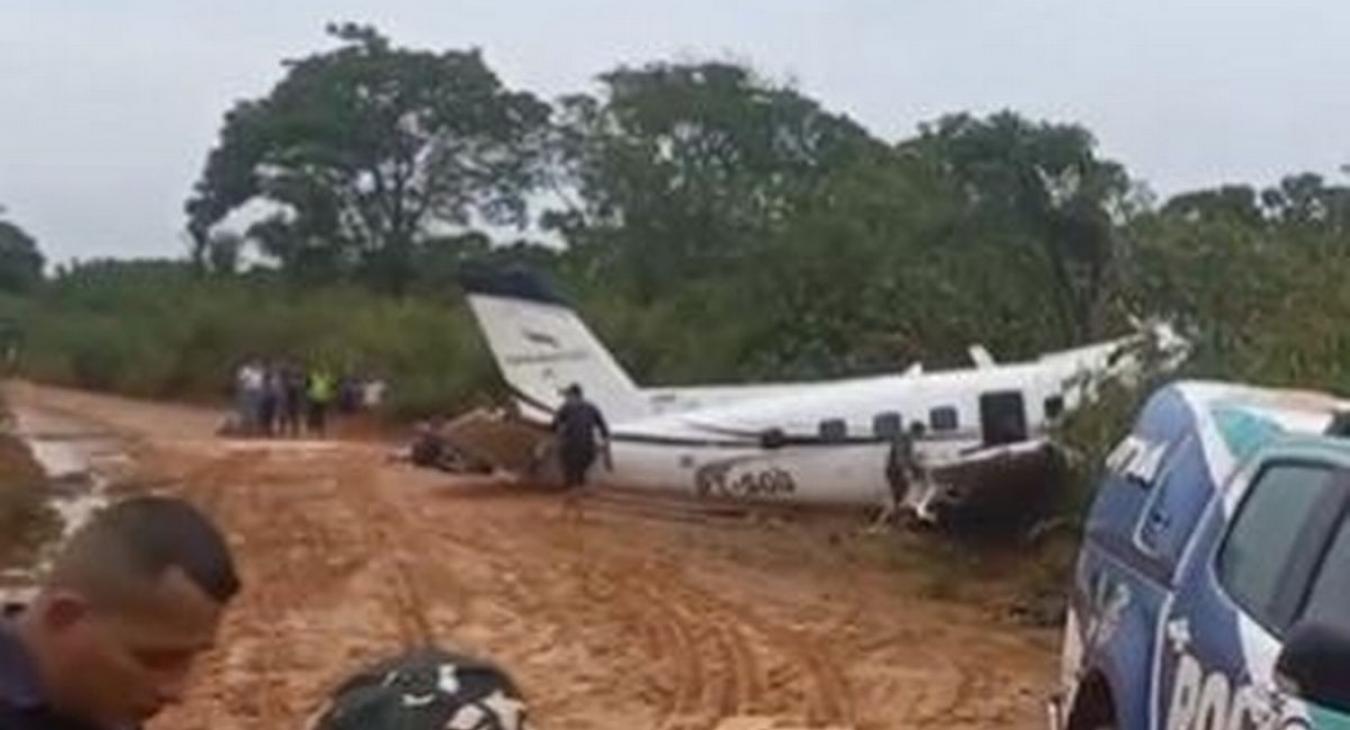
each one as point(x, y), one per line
point(1212, 591)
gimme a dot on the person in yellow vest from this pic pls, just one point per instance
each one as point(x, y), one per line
point(321, 389)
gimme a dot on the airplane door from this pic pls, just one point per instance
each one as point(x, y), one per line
point(1003, 417)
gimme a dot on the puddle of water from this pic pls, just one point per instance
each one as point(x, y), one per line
point(70, 454)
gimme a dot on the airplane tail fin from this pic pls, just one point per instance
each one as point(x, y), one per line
point(541, 346)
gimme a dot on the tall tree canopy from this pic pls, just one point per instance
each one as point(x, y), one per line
point(679, 169)
point(1041, 187)
point(367, 149)
point(20, 260)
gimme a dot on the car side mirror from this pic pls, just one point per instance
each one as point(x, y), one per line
point(1315, 665)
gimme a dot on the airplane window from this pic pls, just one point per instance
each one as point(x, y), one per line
point(833, 430)
point(1054, 405)
point(887, 425)
point(944, 419)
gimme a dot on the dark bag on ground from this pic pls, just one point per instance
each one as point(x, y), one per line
point(426, 689)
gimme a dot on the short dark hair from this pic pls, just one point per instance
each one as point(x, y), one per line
point(144, 537)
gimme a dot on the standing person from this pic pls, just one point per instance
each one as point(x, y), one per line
point(923, 490)
point(292, 400)
point(902, 463)
point(271, 399)
point(249, 388)
point(348, 394)
point(133, 599)
point(578, 426)
point(373, 392)
point(319, 393)
point(899, 472)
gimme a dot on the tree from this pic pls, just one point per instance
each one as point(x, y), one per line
point(366, 149)
point(1235, 202)
point(223, 249)
point(679, 169)
point(1307, 201)
point(20, 261)
point(1042, 187)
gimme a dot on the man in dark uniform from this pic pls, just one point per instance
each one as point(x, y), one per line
point(129, 604)
point(578, 426)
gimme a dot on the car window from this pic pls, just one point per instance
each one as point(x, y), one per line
point(1261, 543)
point(1329, 599)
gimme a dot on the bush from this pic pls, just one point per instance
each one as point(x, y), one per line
point(182, 338)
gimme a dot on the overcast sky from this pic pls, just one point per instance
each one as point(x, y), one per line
point(108, 107)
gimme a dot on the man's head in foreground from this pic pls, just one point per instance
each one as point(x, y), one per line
point(136, 595)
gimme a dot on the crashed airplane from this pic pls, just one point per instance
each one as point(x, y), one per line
point(825, 443)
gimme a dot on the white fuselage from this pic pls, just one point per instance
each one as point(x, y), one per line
point(829, 442)
point(810, 442)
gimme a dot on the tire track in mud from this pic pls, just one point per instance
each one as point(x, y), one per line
point(281, 517)
point(380, 524)
point(564, 594)
point(827, 697)
point(724, 626)
point(675, 622)
point(224, 486)
point(710, 658)
point(715, 649)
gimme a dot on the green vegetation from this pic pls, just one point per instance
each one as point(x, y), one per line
point(20, 262)
point(157, 329)
point(714, 225)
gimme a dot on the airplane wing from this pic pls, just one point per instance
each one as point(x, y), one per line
point(997, 474)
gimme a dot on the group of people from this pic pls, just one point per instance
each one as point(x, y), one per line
point(274, 398)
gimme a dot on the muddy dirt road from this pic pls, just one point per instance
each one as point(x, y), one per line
point(642, 616)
